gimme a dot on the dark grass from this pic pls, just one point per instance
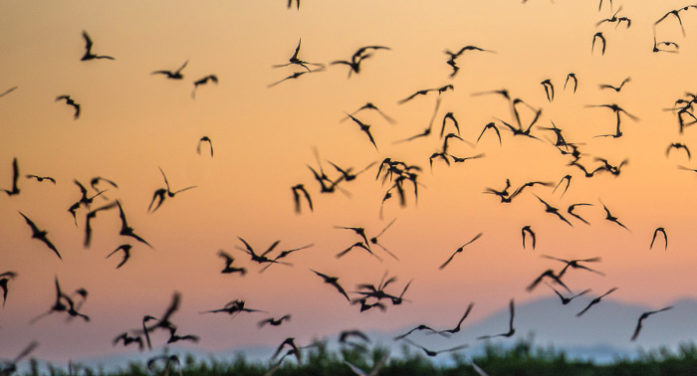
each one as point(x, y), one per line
point(522, 359)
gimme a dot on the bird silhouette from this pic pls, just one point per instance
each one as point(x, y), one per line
point(616, 20)
point(284, 254)
point(334, 281)
point(456, 329)
point(70, 102)
point(612, 218)
point(126, 249)
point(88, 221)
point(295, 60)
point(572, 77)
point(8, 91)
point(599, 37)
point(84, 200)
point(260, 258)
point(571, 212)
point(595, 301)
point(127, 339)
point(566, 300)
point(526, 230)
point(40, 235)
point(462, 247)
point(615, 88)
point(162, 193)
point(678, 145)
point(9, 368)
point(565, 178)
point(643, 316)
point(202, 140)
point(4, 279)
point(365, 128)
point(421, 327)
point(617, 110)
point(439, 90)
point(64, 303)
point(665, 237)
point(88, 55)
point(490, 125)
point(173, 75)
point(549, 89)
point(432, 353)
point(549, 273)
point(126, 230)
point(234, 308)
point(427, 131)
point(511, 330)
point(297, 4)
point(575, 264)
point(372, 107)
point(454, 55)
point(228, 264)
point(357, 58)
point(15, 179)
point(273, 322)
point(451, 117)
point(202, 81)
point(552, 210)
point(297, 190)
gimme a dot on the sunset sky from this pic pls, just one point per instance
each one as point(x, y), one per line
point(133, 122)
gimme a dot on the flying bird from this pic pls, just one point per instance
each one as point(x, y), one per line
point(459, 250)
point(665, 237)
point(440, 91)
point(456, 329)
point(549, 89)
point(160, 193)
point(612, 218)
point(596, 301)
point(511, 330)
point(372, 107)
point(572, 77)
point(295, 60)
point(40, 235)
point(9, 368)
point(432, 353)
point(15, 179)
point(297, 190)
point(526, 230)
point(70, 102)
point(365, 128)
point(126, 230)
point(88, 55)
point(41, 178)
point(566, 300)
point(202, 81)
point(615, 88)
point(334, 281)
point(202, 140)
point(552, 210)
point(599, 37)
point(575, 264)
point(126, 249)
point(490, 125)
point(357, 58)
point(273, 322)
point(571, 212)
point(297, 4)
point(173, 75)
point(4, 279)
point(678, 145)
point(643, 317)
point(228, 264)
point(8, 91)
point(454, 55)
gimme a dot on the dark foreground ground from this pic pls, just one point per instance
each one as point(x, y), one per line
point(521, 359)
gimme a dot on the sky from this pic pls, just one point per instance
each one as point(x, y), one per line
point(133, 122)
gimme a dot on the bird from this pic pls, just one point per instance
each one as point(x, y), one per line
point(5, 277)
point(675, 13)
point(459, 250)
point(374, 239)
point(552, 210)
point(126, 249)
point(126, 230)
point(273, 322)
point(160, 193)
point(421, 327)
point(490, 125)
point(297, 4)
point(357, 245)
point(88, 55)
point(334, 281)
point(426, 132)
point(174, 337)
point(615, 88)
point(64, 303)
point(234, 307)
point(595, 301)
point(643, 316)
point(365, 306)
point(371, 106)
point(451, 117)
point(97, 179)
point(297, 190)
point(617, 110)
point(440, 91)
point(173, 75)
point(599, 36)
point(432, 353)
point(565, 178)
point(511, 330)
point(575, 264)
point(259, 258)
point(88, 221)
point(549, 273)
point(284, 254)
point(611, 218)
point(9, 368)
point(566, 300)
point(527, 230)
point(8, 91)
point(41, 235)
point(572, 77)
point(292, 76)
point(373, 372)
point(202, 81)
point(41, 178)
point(294, 350)
point(15, 179)
point(665, 237)
point(456, 329)
point(228, 264)
point(355, 63)
point(571, 208)
point(678, 145)
point(202, 140)
point(70, 102)
point(295, 60)
point(365, 128)
point(126, 339)
point(454, 55)
point(549, 89)
point(616, 20)
point(84, 200)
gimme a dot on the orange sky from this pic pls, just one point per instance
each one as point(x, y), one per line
point(133, 122)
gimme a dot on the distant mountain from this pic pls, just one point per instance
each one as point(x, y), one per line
point(602, 334)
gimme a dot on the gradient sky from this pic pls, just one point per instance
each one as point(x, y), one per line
point(133, 122)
